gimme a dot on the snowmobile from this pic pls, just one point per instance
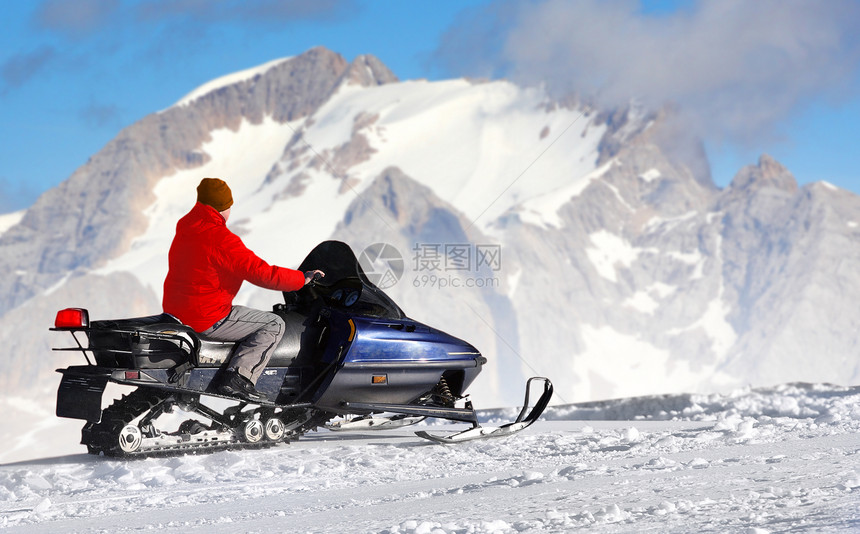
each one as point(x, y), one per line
point(349, 352)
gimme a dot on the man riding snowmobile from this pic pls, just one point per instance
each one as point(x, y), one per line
point(348, 351)
point(337, 347)
point(207, 265)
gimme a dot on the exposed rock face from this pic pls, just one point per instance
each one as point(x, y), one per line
point(791, 269)
point(624, 261)
point(688, 278)
point(769, 173)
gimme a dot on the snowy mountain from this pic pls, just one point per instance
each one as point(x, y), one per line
point(583, 244)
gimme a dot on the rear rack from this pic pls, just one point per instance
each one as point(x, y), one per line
point(135, 336)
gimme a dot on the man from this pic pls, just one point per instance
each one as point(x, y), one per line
point(207, 265)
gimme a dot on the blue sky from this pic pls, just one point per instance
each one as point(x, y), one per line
point(770, 76)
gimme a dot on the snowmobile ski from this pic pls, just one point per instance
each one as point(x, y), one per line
point(375, 423)
point(466, 414)
point(522, 422)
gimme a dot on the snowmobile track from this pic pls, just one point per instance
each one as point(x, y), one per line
point(104, 437)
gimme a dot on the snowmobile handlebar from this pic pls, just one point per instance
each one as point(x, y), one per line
point(313, 276)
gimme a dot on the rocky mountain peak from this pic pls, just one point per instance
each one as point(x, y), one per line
point(634, 126)
point(768, 173)
point(367, 70)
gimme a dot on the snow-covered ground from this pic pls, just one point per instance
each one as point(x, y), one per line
point(765, 460)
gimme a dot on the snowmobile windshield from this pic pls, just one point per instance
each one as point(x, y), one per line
point(343, 272)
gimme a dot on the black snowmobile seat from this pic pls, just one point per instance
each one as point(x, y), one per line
point(116, 343)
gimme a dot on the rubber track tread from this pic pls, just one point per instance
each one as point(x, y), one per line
point(102, 438)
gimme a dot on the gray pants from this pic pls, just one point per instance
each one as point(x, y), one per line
point(258, 332)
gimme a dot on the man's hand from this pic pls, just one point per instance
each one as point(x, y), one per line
point(310, 276)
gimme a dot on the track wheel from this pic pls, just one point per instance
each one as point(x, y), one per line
point(130, 438)
point(274, 429)
point(253, 431)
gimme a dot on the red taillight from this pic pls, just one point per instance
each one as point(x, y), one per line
point(72, 318)
point(132, 375)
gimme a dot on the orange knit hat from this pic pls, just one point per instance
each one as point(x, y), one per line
point(215, 192)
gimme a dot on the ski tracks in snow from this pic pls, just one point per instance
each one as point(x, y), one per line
point(737, 470)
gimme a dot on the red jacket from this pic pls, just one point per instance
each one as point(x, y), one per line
point(207, 265)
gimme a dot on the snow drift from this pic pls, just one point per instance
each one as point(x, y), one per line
point(761, 460)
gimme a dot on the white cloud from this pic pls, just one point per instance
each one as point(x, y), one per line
point(736, 68)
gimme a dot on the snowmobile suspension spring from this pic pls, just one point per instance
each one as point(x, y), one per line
point(444, 389)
